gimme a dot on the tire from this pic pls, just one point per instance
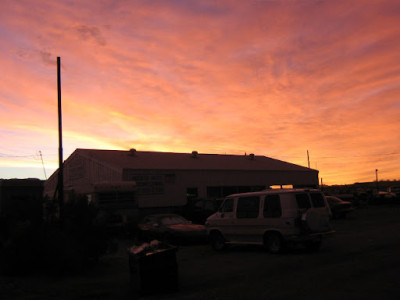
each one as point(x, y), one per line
point(274, 243)
point(217, 241)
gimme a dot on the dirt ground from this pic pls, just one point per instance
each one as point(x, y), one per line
point(361, 261)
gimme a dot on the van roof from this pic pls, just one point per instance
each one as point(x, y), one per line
point(274, 191)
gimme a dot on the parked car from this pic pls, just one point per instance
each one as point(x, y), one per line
point(395, 189)
point(385, 197)
point(273, 218)
point(171, 228)
point(198, 210)
point(339, 208)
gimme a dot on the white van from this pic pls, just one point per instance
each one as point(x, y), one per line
point(273, 218)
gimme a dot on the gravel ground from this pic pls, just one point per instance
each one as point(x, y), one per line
point(361, 261)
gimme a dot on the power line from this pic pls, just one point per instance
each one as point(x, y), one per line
point(16, 156)
point(35, 156)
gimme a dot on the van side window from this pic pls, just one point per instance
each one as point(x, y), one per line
point(317, 200)
point(248, 207)
point(302, 201)
point(227, 206)
point(272, 206)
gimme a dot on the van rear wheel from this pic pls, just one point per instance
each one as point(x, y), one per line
point(217, 241)
point(274, 243)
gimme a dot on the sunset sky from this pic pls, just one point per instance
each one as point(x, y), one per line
point(269, 77)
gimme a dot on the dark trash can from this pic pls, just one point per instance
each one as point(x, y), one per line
point(153, 268)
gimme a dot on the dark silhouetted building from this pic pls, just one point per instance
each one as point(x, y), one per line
point(168, 180)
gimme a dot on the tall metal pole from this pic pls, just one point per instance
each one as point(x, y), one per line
point(60, 148)
point(308, 159)
point(377, 184)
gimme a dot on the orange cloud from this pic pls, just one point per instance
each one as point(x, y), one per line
point(275, 78)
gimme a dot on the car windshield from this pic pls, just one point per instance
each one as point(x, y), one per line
point(173, 220)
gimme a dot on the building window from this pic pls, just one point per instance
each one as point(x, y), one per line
point(192, 193)
point(116, 199)
point(223, 191)
point(170, 178)
point(149, 184)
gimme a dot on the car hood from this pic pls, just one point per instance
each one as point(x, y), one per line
point(187, 227)
point(344, 203)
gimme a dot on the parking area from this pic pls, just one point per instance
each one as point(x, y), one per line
point(361, 261)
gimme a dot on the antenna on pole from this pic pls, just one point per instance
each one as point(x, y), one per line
point(60, 148)
point(44, 170)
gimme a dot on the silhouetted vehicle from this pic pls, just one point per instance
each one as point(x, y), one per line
point(395, 189)
point(272, 218)
point(171, 228)
point(198, 210)
point(382, 197)
point(339, 208)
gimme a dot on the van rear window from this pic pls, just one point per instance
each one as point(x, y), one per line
point(303, 201)
point(272, 206)
point(317, 199)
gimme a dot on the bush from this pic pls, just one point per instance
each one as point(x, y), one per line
point(78, 243)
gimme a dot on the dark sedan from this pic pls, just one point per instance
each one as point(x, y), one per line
point(171, 228)
point(339, 208)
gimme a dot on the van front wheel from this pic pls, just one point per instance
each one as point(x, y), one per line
point(217, 241)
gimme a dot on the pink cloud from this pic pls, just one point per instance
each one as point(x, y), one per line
point(270, 77)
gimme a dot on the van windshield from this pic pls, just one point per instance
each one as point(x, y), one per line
point(227, 206)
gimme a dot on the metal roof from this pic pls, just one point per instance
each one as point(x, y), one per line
point(132, 159)
point(275, 191)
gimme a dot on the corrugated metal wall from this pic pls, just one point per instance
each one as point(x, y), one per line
point(163, 188)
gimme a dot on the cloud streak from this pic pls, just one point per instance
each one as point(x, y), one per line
point(275, 78)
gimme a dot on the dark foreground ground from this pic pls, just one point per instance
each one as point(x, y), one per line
point(362, 261)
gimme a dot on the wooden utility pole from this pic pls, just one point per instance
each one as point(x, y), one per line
point(308, 159)
point(60, 185)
